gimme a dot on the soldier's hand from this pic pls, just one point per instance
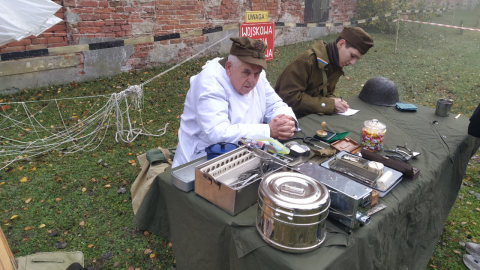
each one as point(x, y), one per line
point(282, 127)
point(340, 105)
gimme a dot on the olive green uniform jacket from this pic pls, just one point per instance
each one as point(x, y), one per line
point(299, 83)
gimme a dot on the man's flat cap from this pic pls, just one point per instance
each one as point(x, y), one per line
point(358, 38)
point(248, 50)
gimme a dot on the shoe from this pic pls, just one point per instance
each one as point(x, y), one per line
point(471, 262)
point(473, 249)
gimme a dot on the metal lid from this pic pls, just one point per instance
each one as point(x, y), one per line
point(375, 125)
point(295, 193)
point(220, 148)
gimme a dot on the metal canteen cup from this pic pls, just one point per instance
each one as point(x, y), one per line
point(443, 107)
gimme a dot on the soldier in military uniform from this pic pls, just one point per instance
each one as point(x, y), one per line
point(308, 83)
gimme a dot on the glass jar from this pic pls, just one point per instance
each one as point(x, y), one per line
point(373, 133)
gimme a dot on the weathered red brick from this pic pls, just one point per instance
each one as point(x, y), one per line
point(22, 42)
point(89, 30)
point(55, 39)
point(116, 28)
point(90, 17)
point(60, 15)
point(119, 9)
point(58, 27)
point(99, 23)
point(60, 33)
point(87, 4)
point(86, 24)
point(110, 35)
point(103, 10)
point(141, 55)
point(126, 27)
point(103, 4)
point(175, 41)
point(13, 49)
point(168, 27)
point(39, 41)
point(105, 16)
point(120, 33)
point(121, 22)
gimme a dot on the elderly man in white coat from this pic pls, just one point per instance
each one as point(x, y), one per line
point(229, 99)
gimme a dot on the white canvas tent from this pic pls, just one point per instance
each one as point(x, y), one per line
point(22, 18)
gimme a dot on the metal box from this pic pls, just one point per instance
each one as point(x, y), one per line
point(184, 178)
point(350, 201)
point(214, 179)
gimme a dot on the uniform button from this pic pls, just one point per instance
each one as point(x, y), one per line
point(323, 104)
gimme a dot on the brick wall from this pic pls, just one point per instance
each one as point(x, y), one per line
point(101, 20)
point(53, 37)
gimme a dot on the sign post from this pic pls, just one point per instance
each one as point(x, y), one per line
point(258, 27)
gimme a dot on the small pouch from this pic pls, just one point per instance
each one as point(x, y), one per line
point(49, 260)
point(406, 107)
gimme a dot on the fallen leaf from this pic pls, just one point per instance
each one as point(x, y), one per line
point(84, 189)
point(82, 223)
point(28, 228)
point(107, 186)
point(146, 233)
point(456, 251)
point(463, 223)
point(170, 245)
point(90, 246)
point(94, 155)
point(14, 217)
point(433, 266)
point(152, 256)
point(28, 200)
point(24, 239)
point(2, 183)
point(147, 251)
point(58, 199)
point(23, 180)
point(41, 226)
point(116, 264)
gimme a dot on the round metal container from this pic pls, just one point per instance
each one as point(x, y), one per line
point(218, 149)
point(292, 209)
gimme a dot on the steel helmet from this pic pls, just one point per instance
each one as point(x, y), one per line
point(379, 91)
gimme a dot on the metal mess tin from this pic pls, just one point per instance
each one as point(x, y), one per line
point(292, 209)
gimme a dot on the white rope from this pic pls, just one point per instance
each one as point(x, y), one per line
point(84, 135)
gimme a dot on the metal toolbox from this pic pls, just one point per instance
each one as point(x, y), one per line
point(349, 200)
point(217, 180)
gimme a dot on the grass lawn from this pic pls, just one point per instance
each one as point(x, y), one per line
point(76, 198)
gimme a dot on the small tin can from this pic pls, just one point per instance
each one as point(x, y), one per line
point(373, 134)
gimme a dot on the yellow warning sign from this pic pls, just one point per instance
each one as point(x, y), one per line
point(256, 16)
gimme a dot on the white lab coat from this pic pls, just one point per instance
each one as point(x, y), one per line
point(214, 112)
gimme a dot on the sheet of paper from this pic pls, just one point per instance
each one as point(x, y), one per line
point(349, 112)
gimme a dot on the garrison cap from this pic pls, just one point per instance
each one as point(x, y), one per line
point(248, 50)
point(358, 38)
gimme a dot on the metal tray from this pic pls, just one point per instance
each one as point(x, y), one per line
point(184, 178)
point(398, 176)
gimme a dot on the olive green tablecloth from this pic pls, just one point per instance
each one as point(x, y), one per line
point(402, 236)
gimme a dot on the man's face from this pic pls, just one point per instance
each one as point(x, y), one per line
point(347, 56)
point(243, 77)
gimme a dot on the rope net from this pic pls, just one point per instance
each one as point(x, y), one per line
point(40, 127)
